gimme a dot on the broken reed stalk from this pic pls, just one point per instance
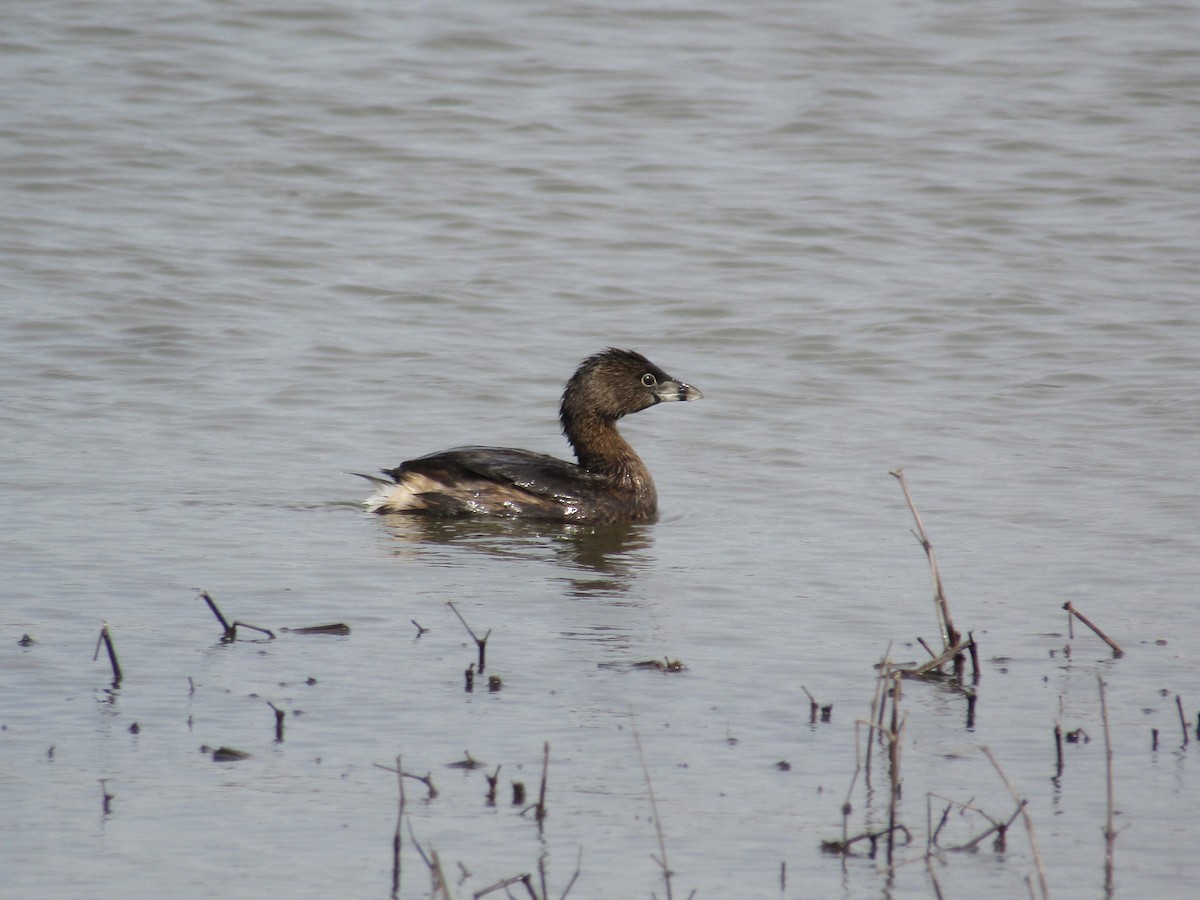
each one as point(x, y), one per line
point(481, 643)
point(426, 780)
point(505, 883)
point(1037, 855)
point(928, 649)
point(398, 837)
point(1058, 756)
point(230, 631)
point(492, 781)
point(1073, 612)
point(1110, 833)
point(813, 706)
point(106, 639)
point(998, 828)
point(950, 654)
point(937, 887)
point(574, 877)
point(432, 863)
point(847, 807)
point(541, 804)
point(949, 633)
point(267, 631)
point(278, 722)
point(230, 634)
point(1178, 705)
point(439, 876)
point(877, 705)
point(894, 736)
point(661, 859)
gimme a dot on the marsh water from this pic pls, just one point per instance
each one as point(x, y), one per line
point(249, 249)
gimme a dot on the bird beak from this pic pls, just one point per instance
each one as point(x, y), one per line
point(676, 390)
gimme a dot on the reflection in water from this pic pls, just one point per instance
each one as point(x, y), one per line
point(612, 553)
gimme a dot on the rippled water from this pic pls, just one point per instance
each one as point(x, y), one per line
point(248, 250)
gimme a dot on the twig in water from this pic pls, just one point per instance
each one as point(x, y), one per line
point(420, 628)
point(541, 804)
point(661, 859)
point(230, 631)
point(105, 796)
point(1058, 756)
point(998, 827)
point(267, 631)
point(1037, 855)
point(928, 649)
point(843, 847)
point(1073, 612)
point(574, 878)
point(847, 807)
point(278, 722)
point(951, 653)
point(937, 887)
point(1110, 833)
point(878, 704)
point(230, 634)
point(492, 781)
point(426, 780)
point(974, 656)
point(949, 634)
point(480, 642)
point(813, 706)
point(106, 639)
point(508, 882)
point(398, 837)
point(439, 876)
point(895, 737)
point(1178, 705)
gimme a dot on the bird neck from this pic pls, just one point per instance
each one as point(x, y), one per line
point(600, 448)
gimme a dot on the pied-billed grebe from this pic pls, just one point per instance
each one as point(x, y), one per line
point(609, 484)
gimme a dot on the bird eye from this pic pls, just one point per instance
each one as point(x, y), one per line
point(649, 380)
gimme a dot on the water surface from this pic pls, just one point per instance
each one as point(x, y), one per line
point(250, 250)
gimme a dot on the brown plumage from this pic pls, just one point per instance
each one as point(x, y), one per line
point(608, 484)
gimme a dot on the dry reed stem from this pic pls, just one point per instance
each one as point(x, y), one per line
point(661, 859)
point(1037, 855)
point(106, 639)
point(880, 697)
point(230, 631)
point(937, 888)
point(949, 633)
point(1073, 612)
point(504, 883)
point(480, 642)
point(398, 837)
point(1110, 833)
point(541, 804)
point(937, 662)
point(440, 876)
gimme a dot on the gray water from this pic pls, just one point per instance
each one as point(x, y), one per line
point(250, 249)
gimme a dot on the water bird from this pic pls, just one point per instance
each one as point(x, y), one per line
point(608, 483)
